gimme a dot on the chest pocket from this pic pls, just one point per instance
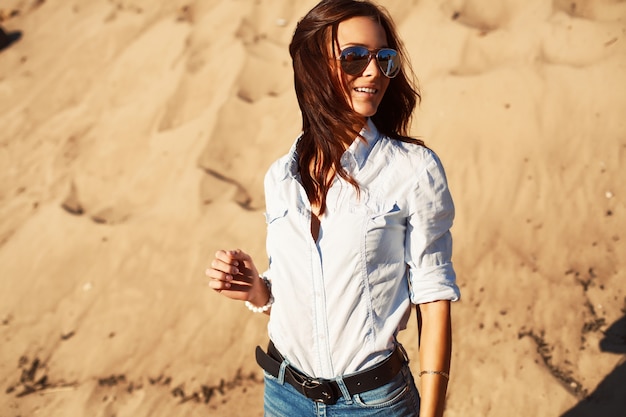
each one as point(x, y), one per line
point(274, 215)
point(278, 232)
point(385, 232)
point(385, 213)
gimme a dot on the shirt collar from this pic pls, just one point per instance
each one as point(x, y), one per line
point(358, 151)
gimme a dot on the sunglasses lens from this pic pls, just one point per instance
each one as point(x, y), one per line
point(389, 62)
point(354, 59)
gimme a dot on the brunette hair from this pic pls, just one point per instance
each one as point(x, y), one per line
point(329, 123)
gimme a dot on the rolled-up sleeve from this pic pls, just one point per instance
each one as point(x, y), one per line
point(428, 238)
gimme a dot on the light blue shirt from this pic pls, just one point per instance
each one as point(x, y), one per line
point(341, 300)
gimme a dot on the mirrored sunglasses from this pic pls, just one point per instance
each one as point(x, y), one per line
point(354, 60)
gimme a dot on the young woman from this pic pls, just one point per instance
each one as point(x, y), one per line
point(359, 218)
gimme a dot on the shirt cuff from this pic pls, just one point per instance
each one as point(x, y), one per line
point(433, 284)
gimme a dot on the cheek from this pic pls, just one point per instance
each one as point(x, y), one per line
point(346, 83)
point(385, 85)
point(345, 80)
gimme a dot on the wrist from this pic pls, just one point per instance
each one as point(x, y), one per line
point(264, 299)
point(261, 292)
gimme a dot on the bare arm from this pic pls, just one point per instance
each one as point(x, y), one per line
point(435, 352)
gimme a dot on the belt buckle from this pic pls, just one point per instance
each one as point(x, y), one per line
point(319, 391)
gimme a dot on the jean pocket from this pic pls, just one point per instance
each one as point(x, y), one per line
point(269, 376)
point(386, 395)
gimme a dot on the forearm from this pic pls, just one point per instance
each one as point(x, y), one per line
point(435, 352)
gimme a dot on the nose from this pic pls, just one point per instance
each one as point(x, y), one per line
point(372, 68)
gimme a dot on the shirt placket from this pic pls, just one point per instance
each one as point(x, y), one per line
point(320, 331)
point(321, 314)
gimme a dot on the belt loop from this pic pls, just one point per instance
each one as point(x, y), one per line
point(344, 390)
point(281, 372)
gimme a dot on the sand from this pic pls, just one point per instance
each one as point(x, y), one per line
point(134, 136)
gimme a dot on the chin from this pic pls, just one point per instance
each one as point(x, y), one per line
point(366, 111)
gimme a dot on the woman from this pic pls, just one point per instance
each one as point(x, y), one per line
point(358, 220)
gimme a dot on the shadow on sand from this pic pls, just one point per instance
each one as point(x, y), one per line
point(7, 38)
point(609, 397)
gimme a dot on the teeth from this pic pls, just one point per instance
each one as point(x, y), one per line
point(366, 90)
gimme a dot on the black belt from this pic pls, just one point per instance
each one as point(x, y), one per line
point(327, 391)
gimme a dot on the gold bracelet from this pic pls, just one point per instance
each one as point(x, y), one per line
point(442, 373)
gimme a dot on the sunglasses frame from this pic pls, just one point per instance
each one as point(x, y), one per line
point(370, 55)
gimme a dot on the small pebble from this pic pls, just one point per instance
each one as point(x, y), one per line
point(609, 194)
point(281, 22)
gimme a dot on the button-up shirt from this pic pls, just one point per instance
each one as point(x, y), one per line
point(340, 300)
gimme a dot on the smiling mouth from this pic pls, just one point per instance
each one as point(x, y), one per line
point(366, 90)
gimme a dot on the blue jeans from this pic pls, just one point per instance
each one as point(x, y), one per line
point(398, 398)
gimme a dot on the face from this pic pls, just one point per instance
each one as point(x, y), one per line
point(366, 90)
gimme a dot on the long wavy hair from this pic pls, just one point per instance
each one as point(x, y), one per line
point(329, 124)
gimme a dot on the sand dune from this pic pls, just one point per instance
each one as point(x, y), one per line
point(134, 136)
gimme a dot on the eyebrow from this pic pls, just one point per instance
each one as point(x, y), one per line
point(346, 45)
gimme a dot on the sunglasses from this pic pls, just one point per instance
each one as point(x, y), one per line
point(354, 60)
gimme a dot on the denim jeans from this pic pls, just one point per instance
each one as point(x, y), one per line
point(398, 398)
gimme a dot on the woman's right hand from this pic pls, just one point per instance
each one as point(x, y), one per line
point(233, 274)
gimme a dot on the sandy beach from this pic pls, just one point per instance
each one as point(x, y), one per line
point(134, 136)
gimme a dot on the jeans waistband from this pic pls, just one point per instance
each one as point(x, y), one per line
point(327, 391)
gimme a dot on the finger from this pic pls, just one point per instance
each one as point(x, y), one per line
point(246, 265)
point(218, 275)
point(239, 287)
point(230, 287)
point(239, 255)
point(246, 272)
point(244, 278)
point(229, 257)
point(225, 267)
point(219, 286)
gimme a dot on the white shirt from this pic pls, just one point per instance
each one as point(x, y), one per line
point(341, 300)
